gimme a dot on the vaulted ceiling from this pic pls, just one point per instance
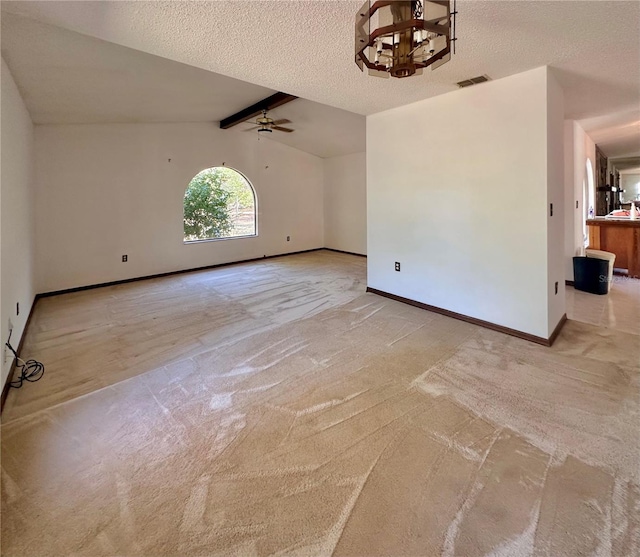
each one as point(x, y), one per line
point(306, 48)
point(69, 78)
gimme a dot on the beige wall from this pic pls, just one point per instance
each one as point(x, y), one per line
point(16, 230)
point(108, 190)
point(345, 203)
point(458, 192)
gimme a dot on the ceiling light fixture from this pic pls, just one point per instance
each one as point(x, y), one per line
point(401, 37)
point(266, 124)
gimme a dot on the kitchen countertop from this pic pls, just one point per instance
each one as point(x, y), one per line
point(599, 221)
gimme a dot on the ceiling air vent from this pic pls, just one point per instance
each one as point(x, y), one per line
point(473, 81)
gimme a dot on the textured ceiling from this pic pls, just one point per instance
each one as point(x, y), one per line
point(306, 47)
point(68, 78)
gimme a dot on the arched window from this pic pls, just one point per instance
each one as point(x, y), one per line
point(219, 203)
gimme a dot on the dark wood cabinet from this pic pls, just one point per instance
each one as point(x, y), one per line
point(620, 237)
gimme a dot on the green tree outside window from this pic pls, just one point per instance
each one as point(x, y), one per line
point(219, 203)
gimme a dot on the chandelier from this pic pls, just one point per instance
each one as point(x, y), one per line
point(401, 37)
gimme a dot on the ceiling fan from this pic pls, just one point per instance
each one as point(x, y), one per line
point(266, 124)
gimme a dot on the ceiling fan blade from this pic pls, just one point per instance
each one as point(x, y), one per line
point(288, 130)
point(283, 121)
point(252, 129)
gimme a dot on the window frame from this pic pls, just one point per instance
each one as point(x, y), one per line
point(255, 209)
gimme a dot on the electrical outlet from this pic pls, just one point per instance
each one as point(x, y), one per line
point(125, 258)
point(288, 238)
point(6, 354)
point(556, 287)
point(398, 266)
point(10, 325)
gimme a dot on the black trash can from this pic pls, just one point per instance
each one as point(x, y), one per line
point(591, 275)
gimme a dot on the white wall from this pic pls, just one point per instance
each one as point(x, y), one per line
point(16, 227)
point(108, 190)
point(578, 147)
point(556, 197)
point(572, 234)
point(457, 192)
point(345, 203)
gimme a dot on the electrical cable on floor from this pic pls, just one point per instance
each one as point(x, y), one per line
point(30, 371)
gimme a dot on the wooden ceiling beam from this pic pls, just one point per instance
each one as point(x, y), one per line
point(275, 100)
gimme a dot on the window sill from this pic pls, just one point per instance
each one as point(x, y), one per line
point(204, 240)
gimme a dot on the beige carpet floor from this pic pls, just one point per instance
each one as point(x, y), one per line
point(274, 408)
